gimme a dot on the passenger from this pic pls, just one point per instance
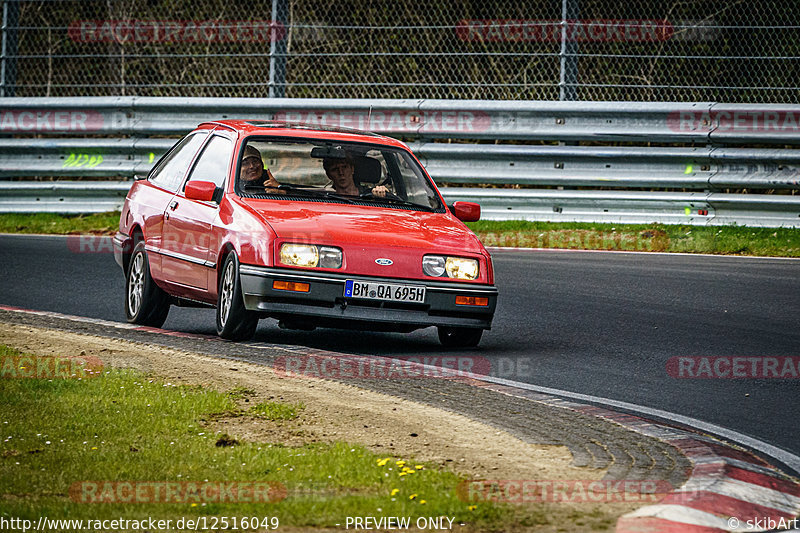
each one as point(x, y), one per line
point(253, 173)
point(340, 172)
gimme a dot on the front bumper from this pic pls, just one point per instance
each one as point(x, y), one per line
point(325, 302)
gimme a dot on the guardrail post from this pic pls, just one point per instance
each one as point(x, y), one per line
point(569, 49)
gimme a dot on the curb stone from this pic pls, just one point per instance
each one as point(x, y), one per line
point(729, 489)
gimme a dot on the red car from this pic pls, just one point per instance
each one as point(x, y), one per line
point(311, 226)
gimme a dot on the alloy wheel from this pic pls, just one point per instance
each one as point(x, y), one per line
point(136, 284)
point(226, 294)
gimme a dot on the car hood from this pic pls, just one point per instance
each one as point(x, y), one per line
point(365, 226)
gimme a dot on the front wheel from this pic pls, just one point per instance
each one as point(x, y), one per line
point(234, 322)
point(145, 303)
point(459, 337)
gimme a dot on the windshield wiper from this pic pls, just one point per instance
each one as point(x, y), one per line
point(298, 186)
point(311, 191)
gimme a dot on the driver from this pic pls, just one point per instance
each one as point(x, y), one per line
point(340, 172)
point(253, 173)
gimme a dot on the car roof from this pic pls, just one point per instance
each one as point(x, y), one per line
point(294, 129)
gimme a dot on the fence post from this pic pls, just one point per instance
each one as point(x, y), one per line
point(569, 49)
point(8, 55)
point(3, 52)
point(277, 49)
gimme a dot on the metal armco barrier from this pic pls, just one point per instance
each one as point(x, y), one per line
point(613, 166)
point(433, 119)
point(701, 146)
point(80, 157)
point(62, 196)
point(633, 207)
point(624, 207)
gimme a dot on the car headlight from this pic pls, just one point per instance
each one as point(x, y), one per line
point(433, 265)
point(310, 255)
point(453, 267)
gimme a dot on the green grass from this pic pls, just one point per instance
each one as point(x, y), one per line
point(729, 240)
point(240, 393)
point(125, 427)
point(276, 411)
point(56, 224)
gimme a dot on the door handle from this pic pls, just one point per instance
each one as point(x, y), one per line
point(173, 205)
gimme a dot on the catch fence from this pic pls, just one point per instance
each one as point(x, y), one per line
point(640, 50)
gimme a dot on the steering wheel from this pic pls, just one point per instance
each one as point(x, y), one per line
point(389, 194)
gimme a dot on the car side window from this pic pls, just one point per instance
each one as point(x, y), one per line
point(212, 165)
point(172, 169)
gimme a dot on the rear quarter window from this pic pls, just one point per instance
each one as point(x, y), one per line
point(171, 170)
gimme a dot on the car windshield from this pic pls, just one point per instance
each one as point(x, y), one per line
point(336, 172)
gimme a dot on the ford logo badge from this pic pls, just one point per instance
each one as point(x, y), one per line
point(383, 261)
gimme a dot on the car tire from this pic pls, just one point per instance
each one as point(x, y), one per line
point(453, 337)
point(145, 303)
point(234, 322)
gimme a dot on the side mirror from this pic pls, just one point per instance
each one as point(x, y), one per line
point(200, 190)
point(466, 211)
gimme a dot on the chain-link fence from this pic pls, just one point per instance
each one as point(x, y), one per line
point(641, 50)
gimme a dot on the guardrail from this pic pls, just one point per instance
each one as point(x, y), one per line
point(573, 166)
point(702, 146)
point(633, 207)
point(62, 196)
point(432, 119)
point(629, 207)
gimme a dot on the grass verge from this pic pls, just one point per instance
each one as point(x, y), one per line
point(52, 223)
point(727, 240)
point(70, 445)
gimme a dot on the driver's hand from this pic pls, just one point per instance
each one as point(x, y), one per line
point(271, 184)
point(380, 191)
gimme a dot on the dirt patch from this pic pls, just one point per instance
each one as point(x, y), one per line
point(334, 411)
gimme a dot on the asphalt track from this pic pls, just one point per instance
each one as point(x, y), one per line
point(603, 324)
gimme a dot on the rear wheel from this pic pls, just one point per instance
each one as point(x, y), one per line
point(145, 303)
point(234, 322)
point(459, 337)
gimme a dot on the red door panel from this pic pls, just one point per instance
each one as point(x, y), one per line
point(187, 242)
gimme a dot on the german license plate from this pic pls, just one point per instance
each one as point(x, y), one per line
point(394, 292)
